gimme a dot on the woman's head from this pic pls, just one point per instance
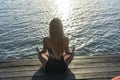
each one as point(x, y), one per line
point(56, 28)
point(57, 36)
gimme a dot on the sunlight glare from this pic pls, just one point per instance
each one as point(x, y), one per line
point(63, 8)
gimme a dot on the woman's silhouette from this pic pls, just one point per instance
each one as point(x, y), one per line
point(57, 45)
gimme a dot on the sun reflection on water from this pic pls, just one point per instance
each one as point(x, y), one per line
point(62, 8)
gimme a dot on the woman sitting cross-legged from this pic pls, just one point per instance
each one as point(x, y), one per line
point(57, 45)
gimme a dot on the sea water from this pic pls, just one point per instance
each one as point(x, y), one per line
point(93, 26)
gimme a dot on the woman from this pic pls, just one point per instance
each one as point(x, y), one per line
point(57, 45)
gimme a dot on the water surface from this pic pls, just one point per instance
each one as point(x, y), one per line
point(92, 25)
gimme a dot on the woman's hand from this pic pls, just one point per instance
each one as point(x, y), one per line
point(73, 49)
point(38, 49)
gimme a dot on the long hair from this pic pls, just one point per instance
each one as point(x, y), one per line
point(56, 35)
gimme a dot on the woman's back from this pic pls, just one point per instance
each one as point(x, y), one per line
point(49, 46)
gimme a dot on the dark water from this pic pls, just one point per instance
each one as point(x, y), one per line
point(92, 25)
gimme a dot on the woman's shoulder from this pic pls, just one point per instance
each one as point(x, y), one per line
point(45, 39)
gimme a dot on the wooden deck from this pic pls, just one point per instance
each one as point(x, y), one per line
point(81, 68)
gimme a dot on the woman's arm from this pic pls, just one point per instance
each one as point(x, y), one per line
point(67, 51)
point(44, 47)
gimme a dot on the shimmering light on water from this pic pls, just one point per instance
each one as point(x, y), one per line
point(63, 8)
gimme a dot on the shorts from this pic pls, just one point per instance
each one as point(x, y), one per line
point(55, 65)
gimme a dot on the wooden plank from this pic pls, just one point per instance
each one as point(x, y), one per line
point(88, 76)
point(21, 63)
point(92, 65)
point(71, 66)
point(99, 56)
point(76, 57)
point(97, 75)
point(39, 78)
point(31, 63)
point(75, 71)
point(42, 78)
point(100, 79)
